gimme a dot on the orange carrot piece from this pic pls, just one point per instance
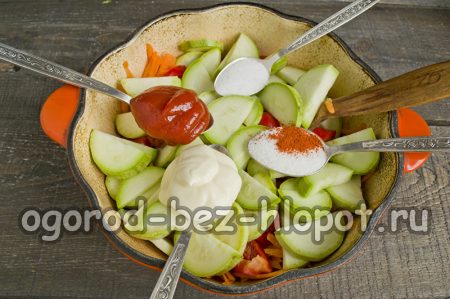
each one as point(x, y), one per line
point(127, 69)
point(329, 105)
point(152, 66)
point(167, 62)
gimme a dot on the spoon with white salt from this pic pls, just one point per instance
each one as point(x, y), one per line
point(298, 152)
point(246, 76)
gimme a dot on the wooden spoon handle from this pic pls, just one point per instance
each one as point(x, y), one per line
point(422, 86)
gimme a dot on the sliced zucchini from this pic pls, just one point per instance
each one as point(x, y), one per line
point(330, 175)
point(252, 192)
point(237, 240)
point(194, 142)
point(255, 115)
point(290, 74)
point(119, 157)
point(275, 78)
point(211, 60)
point(127, 127)
point(264, 179)
point(313, 87)
point(200, 45)
point(208, 256)
point(313, 206)
point(243, 47)
point(135, 86)
point(309, 246)
point(186, 58)
point(360, 162)
point(197, 78)
point(164, 245)
point(291, 261)
point(229, 114)
point(144, 223)
point(166, 155)
point(237, 145)
point(112, 185)
point(253, 167)
point(135, 186)
point(278, 65)
point(283, 102)
point(349, 195)
point(208, 96)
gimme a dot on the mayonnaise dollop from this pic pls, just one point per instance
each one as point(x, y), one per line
point(201, 177)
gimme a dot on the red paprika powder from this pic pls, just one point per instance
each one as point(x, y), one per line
point(292, 139)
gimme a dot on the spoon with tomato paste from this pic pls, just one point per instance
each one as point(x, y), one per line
point(298, 152)
point(172, 114)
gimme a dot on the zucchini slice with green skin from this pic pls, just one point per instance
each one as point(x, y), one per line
point(349, 195)
point(143, 223)
point(291, 261)
point(112, 186)
point(208, 96)
point(308, 246)
point(263, 219)
point(330, 175)
point(135, 186)
point(186, 58)
point(360, 162)
point(243, 47)
point(200, 45)
point(197, 78)
point(211, 60)
point(275, 78)
point(278, 65)
point(135, 86)
point(163, 244)
point(252, 192)
point(208, 256)
point(283, 102)
point(237, 145)
point(290, 74)
point(166, 155)
point(253, 167)
point(229, 114)
point(266, 180)
point(255, 115)
point(127, 127)
point(313, 87)
point(237, 240)
point(314, 206)
point(149, 197)
point(194, 142)
point(119, 157)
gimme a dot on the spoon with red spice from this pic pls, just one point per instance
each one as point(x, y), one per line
point(298, 152)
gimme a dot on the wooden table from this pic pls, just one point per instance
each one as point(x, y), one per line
point(392, 39)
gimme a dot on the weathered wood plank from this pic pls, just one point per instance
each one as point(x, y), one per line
point(34, 172)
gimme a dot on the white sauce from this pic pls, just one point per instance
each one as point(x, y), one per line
point(245, 76)
point(264, 150)
point(201, 177)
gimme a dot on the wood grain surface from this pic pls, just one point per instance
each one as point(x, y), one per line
point(392, 39)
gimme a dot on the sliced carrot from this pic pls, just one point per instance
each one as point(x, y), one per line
point(152, 63)
point(167, 62)
point(127, 69)
point(329, 105)
point(260, 276)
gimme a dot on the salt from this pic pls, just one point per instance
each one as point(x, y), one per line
point(264, 149)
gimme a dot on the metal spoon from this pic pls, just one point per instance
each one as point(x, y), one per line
point(260, 146)
point(264, 150)
point(168, 279)
point(247, 76)
point(59, 72)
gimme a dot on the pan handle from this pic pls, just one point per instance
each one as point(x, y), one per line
point(58, 111)
point(411, 124)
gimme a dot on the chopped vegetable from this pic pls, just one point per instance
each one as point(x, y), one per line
point(176, 71)
point(269, 121)
point(324, 134)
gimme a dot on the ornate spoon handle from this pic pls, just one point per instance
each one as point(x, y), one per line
point(59, 72)
point(415, 144)
point(338, 19)
point(168, 279)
